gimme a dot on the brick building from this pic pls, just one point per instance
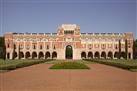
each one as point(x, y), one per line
point(68, 43)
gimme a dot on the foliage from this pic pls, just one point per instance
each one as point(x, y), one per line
point(135, 49)
point(126, 49)
point(2, 48)
point(1, 41)
point(119, 46)
point(124, 64)
point(14, 64)
point(69, 65)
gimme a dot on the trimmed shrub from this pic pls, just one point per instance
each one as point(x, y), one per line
point(116, 63)
point(20, 65)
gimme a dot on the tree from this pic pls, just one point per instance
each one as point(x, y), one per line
point(2, 48)
point(119, 55)
point(19, 51)
point(135, 49)
point(126, 49)
point(13, 57)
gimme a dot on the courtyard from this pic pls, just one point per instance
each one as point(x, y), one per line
point(40, 78)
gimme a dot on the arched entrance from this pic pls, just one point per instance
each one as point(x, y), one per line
point(97, 55)
point(90, 55)
point(54, 55)
point(110, 54)
point(83, 55)
point(27, 55)
point(47, 55)
point(41, 55)
point(69, 52)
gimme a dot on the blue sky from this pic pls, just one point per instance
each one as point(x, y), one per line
point(46, 15)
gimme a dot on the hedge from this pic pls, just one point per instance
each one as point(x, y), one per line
point(20, 65)
point(115, 63)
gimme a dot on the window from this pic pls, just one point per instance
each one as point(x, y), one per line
point(116, 46)
point(40, 46)
point(21, 46)
point(8, 45)
point(90, 46)
point(27, 47)
point(47, 46)
point(103, 46)
point(14, 46)
point(34, 46)
point(129, 44)
point(68, 32)
point(54, 47)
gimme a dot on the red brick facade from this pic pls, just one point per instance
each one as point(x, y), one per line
point(53, 45)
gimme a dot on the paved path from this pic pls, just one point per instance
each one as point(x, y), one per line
point(40, 78)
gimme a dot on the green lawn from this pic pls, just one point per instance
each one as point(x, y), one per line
point(69, 65)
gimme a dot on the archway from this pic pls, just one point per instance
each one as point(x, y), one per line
point(69, 52)
point(8, 55)
point(110, 54)
point(129, 55)
point(83, 55)
point(15, 55)
point(47, 55)
point(123, 55)
point(90, 55)
point(27, 55)
point(97, 55)
point(103, 55)
point(21, 55)
point(41, 55)
point(116, 55)
point(54, 55)
point(34, 55)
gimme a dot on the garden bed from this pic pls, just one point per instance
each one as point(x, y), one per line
point(69, 65)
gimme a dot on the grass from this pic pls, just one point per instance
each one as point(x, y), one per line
point(14, 64)
point(69, 65)
point(124, 64)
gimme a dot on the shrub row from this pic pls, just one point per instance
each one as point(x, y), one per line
point(20, 65)
point(114, 63)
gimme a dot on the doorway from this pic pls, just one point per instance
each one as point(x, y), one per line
point(69, 52)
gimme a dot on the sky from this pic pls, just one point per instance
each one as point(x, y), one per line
point(44, 16)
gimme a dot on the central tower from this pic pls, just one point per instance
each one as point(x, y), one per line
point(69, 34)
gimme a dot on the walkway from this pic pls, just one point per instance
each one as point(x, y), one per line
point(40, 78)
